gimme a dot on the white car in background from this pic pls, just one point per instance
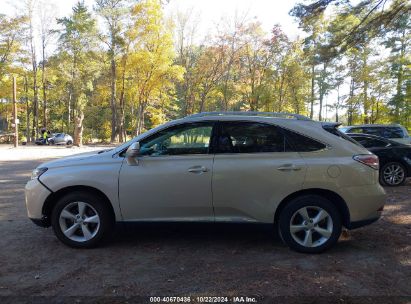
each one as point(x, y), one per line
point(61, 139)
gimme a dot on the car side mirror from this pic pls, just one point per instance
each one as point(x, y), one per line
point(132, 152)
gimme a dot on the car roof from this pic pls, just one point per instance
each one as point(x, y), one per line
point(249, 114)
point(373, 125)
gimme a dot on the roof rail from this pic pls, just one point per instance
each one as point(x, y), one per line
point(251, 113)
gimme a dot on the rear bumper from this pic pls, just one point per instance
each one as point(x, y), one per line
point(365, 203)
point(358, 224)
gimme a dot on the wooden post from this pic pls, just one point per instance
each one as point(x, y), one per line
point(16, 122)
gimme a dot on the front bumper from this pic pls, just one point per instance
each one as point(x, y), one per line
point(36, 195)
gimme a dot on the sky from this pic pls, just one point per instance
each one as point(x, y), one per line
point(210, 12)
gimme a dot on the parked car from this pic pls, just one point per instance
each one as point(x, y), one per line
point(272, 168)
point(394, 132)
point(40, 141)
point(395, 158)
point(61, 139)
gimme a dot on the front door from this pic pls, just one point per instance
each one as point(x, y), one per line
point(172, 181)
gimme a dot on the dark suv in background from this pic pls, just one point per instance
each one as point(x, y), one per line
point(394, 132)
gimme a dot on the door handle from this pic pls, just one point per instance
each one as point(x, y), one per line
point(289, 167)
point(197, 169)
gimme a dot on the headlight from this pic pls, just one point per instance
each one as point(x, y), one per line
point(38, 172)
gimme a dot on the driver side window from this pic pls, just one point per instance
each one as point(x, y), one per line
point(179, 140)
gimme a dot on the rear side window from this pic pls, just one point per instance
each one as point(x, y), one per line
point(337, 132)
point(356, 130)
point(377, 131)
point(301, 143)
point(386, 132)
point(393, 132)
point(371, 142)
point(250, 137)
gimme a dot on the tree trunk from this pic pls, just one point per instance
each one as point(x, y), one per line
point(140, 118)
point(43, 80)
point(26, 92)
point(69, 111)
point(35, 103)
point(322, 92)
point(366, 105)
point(114, 123)
point(350, 111)
point(78, 129)
point(338, 103)
point(312, 90)
point(121, 120)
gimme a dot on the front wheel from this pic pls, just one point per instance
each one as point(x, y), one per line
point(81, 219)
point(392, 174)
point(310, 224)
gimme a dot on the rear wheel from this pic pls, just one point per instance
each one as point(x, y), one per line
point(393, 174)
point(69, 142)
point(310, 224)
point(81, 219)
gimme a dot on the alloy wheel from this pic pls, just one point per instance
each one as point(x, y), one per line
point(79, 221)
point(393, 174)
point(311, 226)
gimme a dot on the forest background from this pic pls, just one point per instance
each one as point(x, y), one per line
point(121, 67)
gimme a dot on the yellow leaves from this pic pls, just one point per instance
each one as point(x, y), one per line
point(150, 64)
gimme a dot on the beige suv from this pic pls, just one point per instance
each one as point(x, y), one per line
point(215, 167)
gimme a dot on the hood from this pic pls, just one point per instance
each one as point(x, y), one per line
point(73, 160)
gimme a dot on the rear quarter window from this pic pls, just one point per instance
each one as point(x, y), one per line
point(301, 143)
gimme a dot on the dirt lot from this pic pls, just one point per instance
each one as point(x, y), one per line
point(369, 265)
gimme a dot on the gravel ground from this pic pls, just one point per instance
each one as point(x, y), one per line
point(368, 265)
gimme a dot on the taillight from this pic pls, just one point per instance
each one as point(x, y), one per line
point(370, 160)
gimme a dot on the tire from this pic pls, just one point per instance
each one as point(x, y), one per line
point(69, 143)
point(51, 142)
point(85, 231)
point(393, 174)
point(306, 227)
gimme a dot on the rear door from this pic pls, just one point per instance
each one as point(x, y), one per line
point(254, 169)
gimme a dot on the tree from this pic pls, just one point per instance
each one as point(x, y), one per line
point(78, 39)
point(374, 15)
point(113, 13)
point(187, 57)
point(46, 13)
point(398, 41)
point(151, 58)
point(30, 7)
point(314, 50)
point(11, 42)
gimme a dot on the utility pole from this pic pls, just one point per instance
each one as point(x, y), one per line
point(16, 121)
